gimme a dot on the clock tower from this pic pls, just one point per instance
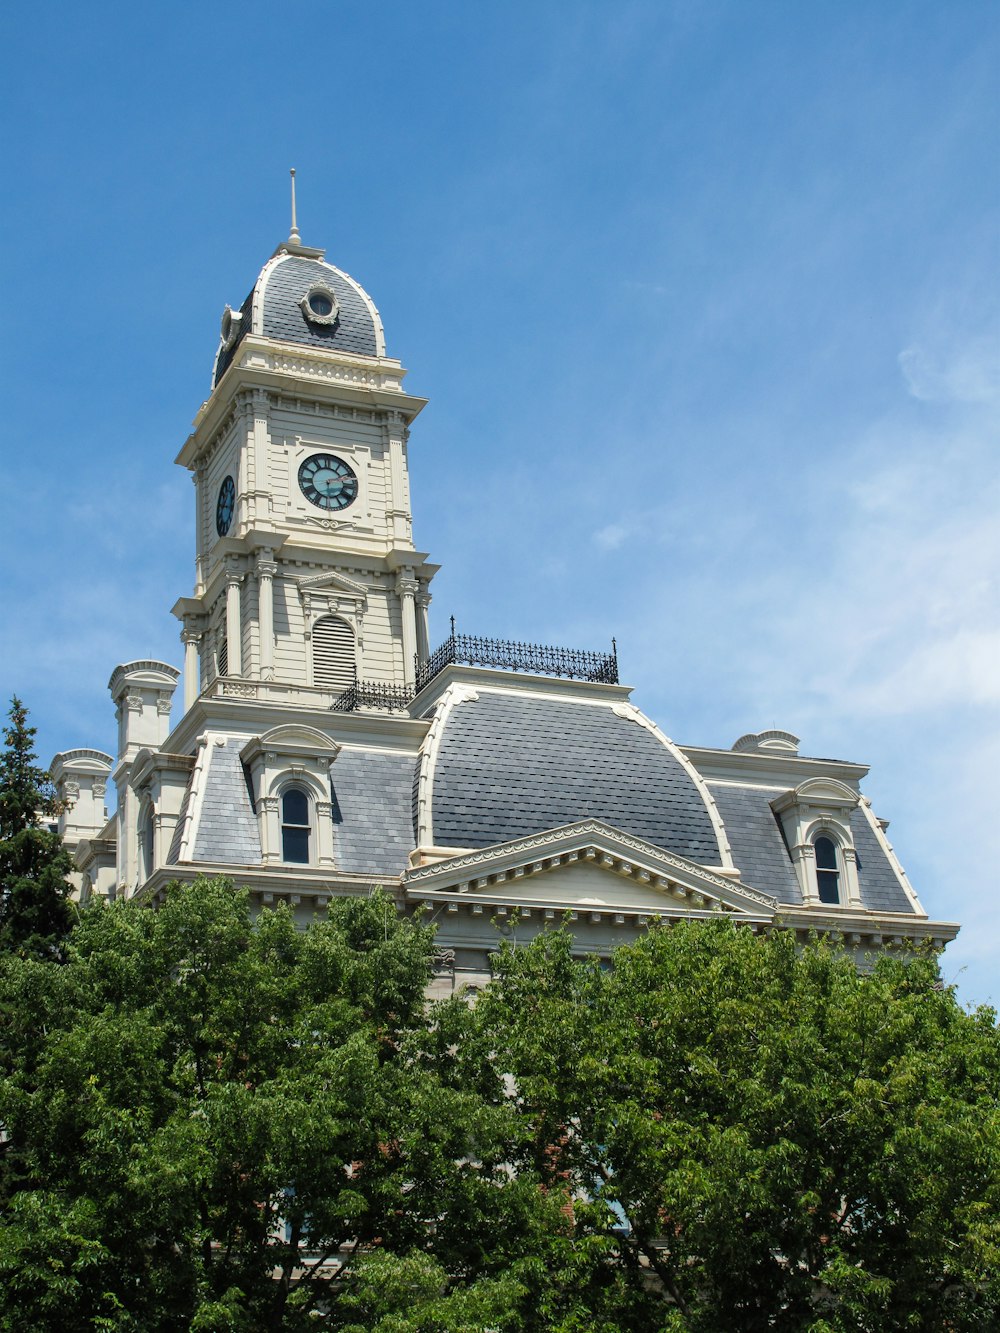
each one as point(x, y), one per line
point(307, 580)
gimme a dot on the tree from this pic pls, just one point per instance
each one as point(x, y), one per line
point(215, 1120)
point(753, 1137)
point(35, 912)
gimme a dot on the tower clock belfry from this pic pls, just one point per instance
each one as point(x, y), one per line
point(306, 574)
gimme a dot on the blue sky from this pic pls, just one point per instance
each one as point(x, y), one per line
point(704, 297)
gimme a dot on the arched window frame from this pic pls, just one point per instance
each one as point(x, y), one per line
point(821, 807)
point(293, 785)
point(831, 836)
point(292, 755)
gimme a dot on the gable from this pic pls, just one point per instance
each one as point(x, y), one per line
point(588, 866)
point(331, 582)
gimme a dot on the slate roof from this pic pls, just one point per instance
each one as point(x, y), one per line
point(881, 890)
point(510, 765)
point(372, 830)
point(760, 854)
point(280, 287)
point(227, 826)
point(756, 842)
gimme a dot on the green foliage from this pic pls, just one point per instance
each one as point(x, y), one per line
point(792, 1145)
point(35, 913)
point(212, 1120)
point(207, 1114)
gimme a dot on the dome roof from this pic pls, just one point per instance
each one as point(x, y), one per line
point(300, 298)
point(507, 765)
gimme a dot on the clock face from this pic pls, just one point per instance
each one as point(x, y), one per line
point(328, 482)
point(225, 505)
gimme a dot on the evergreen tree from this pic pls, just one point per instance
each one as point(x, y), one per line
point(35, 913)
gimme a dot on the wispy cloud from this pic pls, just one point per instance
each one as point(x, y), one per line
point(970, 374)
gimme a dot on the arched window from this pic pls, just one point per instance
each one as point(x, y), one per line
point(334, 662)
point(827, 869)
point(295, 826)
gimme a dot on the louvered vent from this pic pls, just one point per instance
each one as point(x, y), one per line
point(223, 658)
point(333, 654)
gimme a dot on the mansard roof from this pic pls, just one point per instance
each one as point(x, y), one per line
point(273, 309)
point(501, 764)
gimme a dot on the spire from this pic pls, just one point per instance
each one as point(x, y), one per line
point(294, 246)
point(293, 236)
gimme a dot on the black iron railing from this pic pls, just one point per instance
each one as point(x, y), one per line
point(539, 659)
point(374, 694)
point(470, 650)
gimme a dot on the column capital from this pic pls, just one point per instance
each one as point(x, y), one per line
point(406, 585)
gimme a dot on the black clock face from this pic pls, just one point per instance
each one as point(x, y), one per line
point(224, 507)
point(328, 482)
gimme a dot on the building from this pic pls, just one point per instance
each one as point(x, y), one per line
point(326, 746)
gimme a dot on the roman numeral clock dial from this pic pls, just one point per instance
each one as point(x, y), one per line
point(328, 482)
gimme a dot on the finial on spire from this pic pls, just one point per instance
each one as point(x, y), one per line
point(293, 236)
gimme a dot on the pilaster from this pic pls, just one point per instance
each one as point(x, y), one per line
point(265, 569)
point(406, 590)
point(234, 619)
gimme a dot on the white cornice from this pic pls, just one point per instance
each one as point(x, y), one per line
point(543, 851)
point(247, 717)
point(520, 682)
point(308, 372)
point(766, 770)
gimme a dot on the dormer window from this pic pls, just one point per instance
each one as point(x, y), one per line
point(827, 869)
point(289, 771)
point(295, 826)
point(815, 820)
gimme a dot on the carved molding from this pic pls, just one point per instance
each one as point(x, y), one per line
point(601, 832)
point(443, 961)
point(133, 702)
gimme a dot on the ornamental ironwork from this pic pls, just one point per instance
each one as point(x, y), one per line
point(373, 694)
point(536, 658)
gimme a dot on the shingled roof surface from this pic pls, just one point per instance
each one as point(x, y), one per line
point(881, 890)
point(759, 851)
point(372, 831)
point(227, 826)
point(760, 854)
point(284, 288)
point(510, 765)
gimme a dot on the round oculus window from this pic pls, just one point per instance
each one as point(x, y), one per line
point(328, 482)
point(319, 305)
point(230, 330)
point(224, 506)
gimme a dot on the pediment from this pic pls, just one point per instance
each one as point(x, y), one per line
point(587, 866)
point(821, 791)
point(331, 582)
point(291, 738)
